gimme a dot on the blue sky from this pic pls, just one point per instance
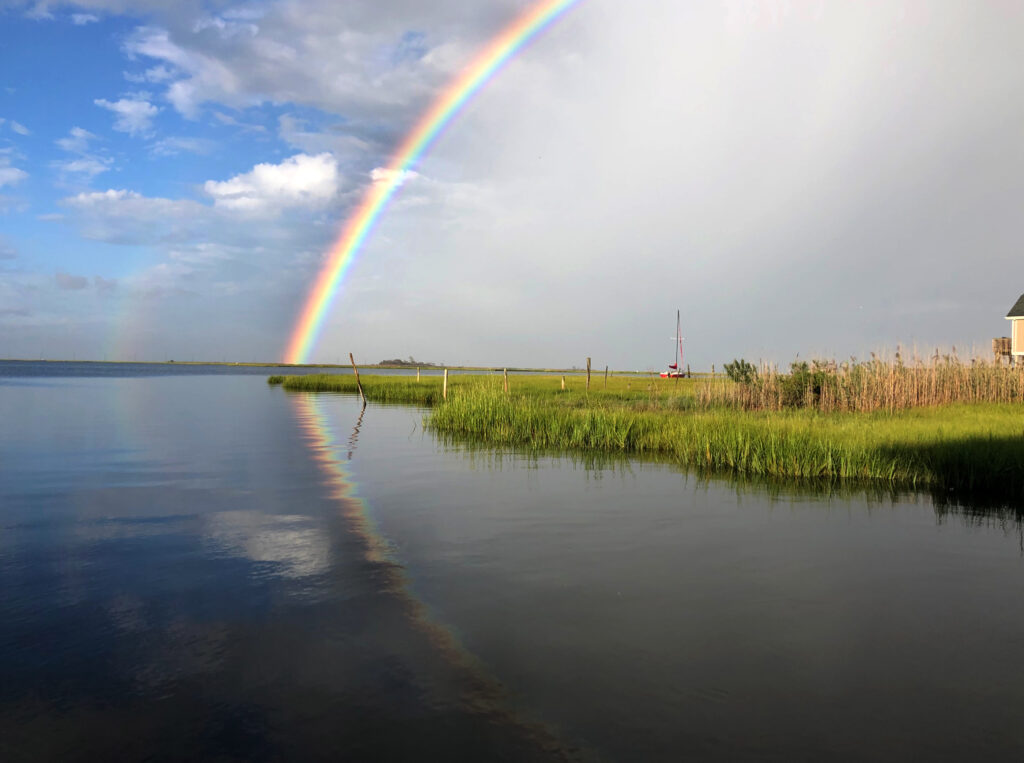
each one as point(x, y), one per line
point(803, 177)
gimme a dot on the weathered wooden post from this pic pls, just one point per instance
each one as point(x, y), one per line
point(588, 376)
point(712, 370)
point(505, 372)
point(417, 373)
point(606, 377)
point(688, 371)
point(563, 384)
point(359, 385)
point(444, 387)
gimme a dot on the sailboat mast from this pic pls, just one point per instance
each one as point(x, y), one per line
point(679, 344)
point(678, 340)
point(681, 355)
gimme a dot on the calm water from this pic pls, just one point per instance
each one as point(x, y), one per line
point(198, 566)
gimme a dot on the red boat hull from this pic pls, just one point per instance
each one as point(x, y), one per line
point(673, 375)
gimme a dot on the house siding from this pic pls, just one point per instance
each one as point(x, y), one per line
point(1018, 336)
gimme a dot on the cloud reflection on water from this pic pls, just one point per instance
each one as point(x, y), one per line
point(293, 543)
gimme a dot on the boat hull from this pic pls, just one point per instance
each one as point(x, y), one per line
point(673, 374)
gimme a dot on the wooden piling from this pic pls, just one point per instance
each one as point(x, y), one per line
point(505, 372)
point(417, 373)
point(563, 384)
point(588, 376)
point(444, 387)
point(606, 377)
point(359, 384)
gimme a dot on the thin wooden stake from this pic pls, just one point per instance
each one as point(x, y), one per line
point(588, 376)
point(606, 377)
point(359, 384)
point(417, 373)
point(444, 388)
point(563, 384)
point(505, 372)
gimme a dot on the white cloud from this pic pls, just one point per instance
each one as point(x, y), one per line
point(301, 184)
point(225, 27)
point(11, 176)
point(302, 180)
point(155, 75)
point(133, 115)
point(81, 19)
point(227, 119)
point(356, 58)
point(86, 165)
point(20, 128)
point(77, 140)
point(176, 145)
point(211, 260)
point(120, 216)
point(201, 73)
point(40, 11)
point(98, 197)
point(383, 175)
point(337, 140)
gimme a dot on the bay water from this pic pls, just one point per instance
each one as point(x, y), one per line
point(197, 565)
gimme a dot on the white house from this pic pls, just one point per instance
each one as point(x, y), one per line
point(1016, 318)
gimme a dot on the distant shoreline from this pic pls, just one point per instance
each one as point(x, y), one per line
point(403, 367)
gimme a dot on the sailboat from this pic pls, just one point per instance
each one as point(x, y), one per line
point(674, 369)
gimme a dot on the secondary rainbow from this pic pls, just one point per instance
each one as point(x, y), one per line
point(512, 39)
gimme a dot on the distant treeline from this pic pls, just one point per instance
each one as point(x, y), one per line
point(409, 363)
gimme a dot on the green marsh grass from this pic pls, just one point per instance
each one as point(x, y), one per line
point(637, 391)
point(974, 448)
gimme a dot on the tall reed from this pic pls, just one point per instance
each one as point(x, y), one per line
point(874, 385)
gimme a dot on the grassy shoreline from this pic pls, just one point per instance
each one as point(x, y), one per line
point(972, 448)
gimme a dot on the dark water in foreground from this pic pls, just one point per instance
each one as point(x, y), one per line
point(203, 567)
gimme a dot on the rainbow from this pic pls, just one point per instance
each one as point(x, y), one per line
point(355, 231)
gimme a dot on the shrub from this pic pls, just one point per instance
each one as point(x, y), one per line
point(740, 371)
point(804, 385)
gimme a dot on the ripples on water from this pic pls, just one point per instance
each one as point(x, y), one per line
point(205, 567)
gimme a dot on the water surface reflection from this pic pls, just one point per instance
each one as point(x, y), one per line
point(481, 692)
point(205, 567)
